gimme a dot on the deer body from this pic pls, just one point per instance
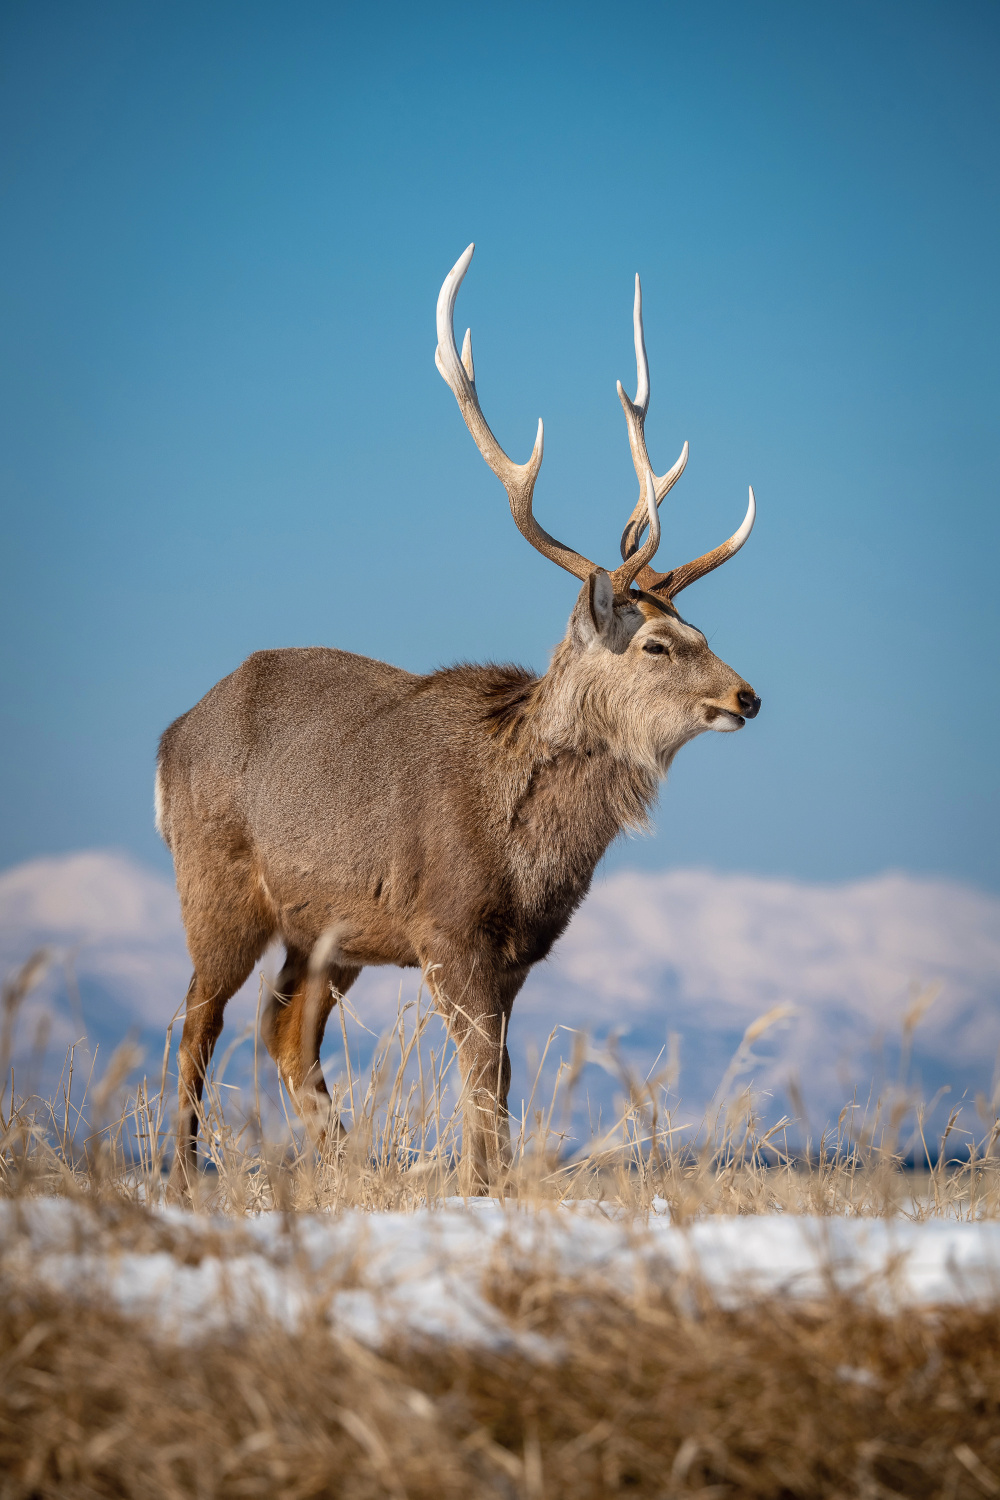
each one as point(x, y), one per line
point(451, 822)
point(409, 810)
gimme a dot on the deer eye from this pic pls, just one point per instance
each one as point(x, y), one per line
point(656, 648)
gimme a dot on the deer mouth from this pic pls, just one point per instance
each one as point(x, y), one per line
point(723, 719)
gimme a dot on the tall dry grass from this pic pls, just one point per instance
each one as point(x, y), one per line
point(647, 1395)
point(403, 1146)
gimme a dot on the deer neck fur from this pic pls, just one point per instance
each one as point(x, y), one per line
point(575, 770)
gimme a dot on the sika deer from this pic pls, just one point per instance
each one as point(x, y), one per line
point(449, 822)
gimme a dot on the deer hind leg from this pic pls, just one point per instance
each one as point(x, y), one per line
point(206, 1004)
point(225, 939)
point(293, 1027)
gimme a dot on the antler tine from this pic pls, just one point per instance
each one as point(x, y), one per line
point(635, 566)
point(623, 576)
point(635, 417)
point(517, 479)
point(641, 402)
point(668, 585)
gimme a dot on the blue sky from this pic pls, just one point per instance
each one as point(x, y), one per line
point(223, 232)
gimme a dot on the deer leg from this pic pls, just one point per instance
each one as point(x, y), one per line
point(227, 929)
point(293, 1027)
point(206, 1004)
point(478, 1014)
point(485, 1064)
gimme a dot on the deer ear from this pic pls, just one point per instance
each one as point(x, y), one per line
point(594, 613)
point(601, 600)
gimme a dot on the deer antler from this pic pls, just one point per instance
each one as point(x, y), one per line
point(635, 417)
point(624, 575)
point(517, 479)
point(669, 585)
point(665, 585)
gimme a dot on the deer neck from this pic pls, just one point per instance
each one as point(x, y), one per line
point(575, 786)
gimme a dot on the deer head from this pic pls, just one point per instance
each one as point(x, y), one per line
point(647, 677)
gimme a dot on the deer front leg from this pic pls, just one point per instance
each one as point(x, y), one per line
point(478, 1015)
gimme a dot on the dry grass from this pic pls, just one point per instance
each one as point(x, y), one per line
point(646, 1400)
point(403, 1149)
point(649, 1395)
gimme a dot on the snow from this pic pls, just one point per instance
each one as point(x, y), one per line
point(381, 1276)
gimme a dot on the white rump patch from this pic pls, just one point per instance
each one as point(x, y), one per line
point(158, 803)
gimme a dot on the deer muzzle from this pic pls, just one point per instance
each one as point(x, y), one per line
point(733, 712)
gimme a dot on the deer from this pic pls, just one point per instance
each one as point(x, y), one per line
point(451, 822)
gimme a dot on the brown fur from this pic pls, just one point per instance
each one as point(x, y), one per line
point(452, 822)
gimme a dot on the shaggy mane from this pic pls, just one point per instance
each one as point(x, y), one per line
point(506, 691)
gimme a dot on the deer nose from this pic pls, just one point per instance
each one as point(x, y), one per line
point(749, 703)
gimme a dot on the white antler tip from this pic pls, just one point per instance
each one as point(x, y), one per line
point(641, 363)
point(453, 280)
point(748, 521)
point(446, 357)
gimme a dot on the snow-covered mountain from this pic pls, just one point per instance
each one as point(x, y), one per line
point(117, 962)
point(689, 952)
